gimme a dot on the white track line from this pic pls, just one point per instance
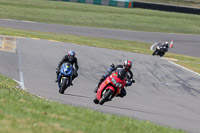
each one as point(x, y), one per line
point(185, 68)
point(20, 66)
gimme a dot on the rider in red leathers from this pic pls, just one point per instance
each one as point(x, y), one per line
point(127, 66)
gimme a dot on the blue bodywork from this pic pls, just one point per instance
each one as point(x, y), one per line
point(66, 70)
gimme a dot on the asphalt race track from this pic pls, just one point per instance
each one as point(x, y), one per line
point(183, 44)
point(163, 93)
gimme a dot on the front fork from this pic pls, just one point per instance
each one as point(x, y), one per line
point(104, 92)
point(60, 80)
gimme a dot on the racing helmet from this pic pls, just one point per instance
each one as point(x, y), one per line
point(71, 55)
point(166, 43)
point(127, 64)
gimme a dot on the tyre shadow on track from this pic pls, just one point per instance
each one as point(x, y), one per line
point(78, 96)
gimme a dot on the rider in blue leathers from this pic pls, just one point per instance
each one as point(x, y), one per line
point(70, 57)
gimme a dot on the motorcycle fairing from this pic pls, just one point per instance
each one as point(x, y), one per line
point(103, 87)
point(107, 84)
point(66, 71)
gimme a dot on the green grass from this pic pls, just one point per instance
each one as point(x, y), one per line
point(131, 46)
point(7, 82)
point(21, 112)
point(68, 13)
point(190, 3)
point(192, 63)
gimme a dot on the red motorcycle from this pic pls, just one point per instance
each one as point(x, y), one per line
point(111, 86)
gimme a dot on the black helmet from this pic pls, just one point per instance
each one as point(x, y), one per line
point(71, 55)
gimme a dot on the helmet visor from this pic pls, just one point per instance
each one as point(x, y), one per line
point(128, 67)
point(71, 56)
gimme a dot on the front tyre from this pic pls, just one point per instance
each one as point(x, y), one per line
point(63, 85)
point(106, 96)
point(96, 101)
point(162, 54)
point(154, 53)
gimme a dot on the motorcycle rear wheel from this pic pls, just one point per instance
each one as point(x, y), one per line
point(105, 97)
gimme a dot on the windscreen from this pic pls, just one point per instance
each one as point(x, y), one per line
point(121, 73)
point(68, 65)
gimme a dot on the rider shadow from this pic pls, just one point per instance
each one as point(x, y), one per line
point(77, 95)
point(136, 110)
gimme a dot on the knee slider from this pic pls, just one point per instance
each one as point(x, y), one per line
point(102, 78)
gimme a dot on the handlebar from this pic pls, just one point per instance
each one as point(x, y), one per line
point(112, 65)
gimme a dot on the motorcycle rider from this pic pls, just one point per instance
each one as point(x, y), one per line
point(160, 45)
point(127, 66)
point(166, 44)
point(70, 57)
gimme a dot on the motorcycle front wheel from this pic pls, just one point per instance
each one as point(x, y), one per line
point(162, 54)
point(106, 96)
point(96, 101)
point(63, 85)
point(154, 53)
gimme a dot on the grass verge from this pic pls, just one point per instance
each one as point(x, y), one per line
point(21, 112)
point(192, 63)
point(68, 13)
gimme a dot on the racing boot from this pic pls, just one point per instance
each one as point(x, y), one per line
point(122, 93)
point(56, 79)
point(57, 73)
point(95, 90)
point(100, 81)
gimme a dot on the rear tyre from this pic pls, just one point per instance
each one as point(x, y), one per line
point(105, 97)
point(63, 85)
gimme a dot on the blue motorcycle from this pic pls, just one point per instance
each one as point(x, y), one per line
point(65, 77)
